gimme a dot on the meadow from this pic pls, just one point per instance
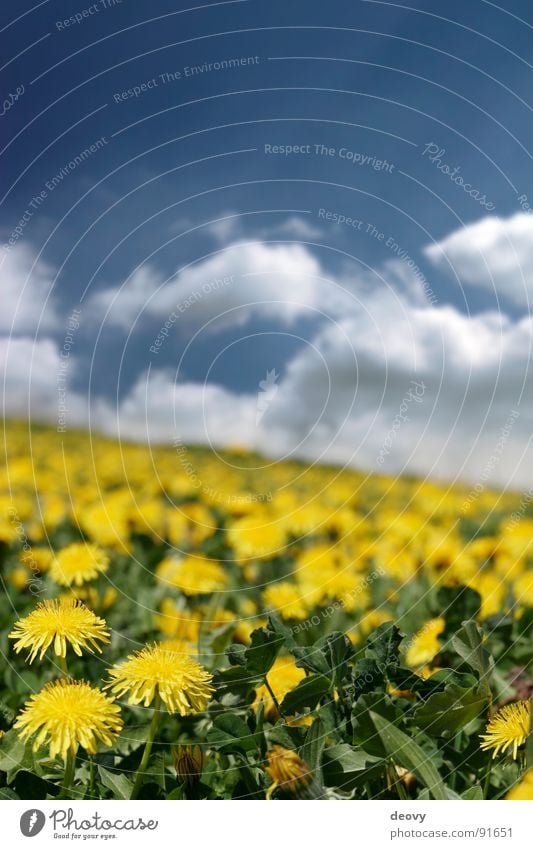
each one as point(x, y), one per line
point(181, 623)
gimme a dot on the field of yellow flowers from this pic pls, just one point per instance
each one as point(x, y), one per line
point(184, 624)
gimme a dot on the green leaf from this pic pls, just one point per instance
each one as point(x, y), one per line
point(233, 686)
point(306, 694)
point(367, 676)
point(383, 645)
point(408, 754)
point(475, 793)
point(120, 786)
point(337, 650)
point(7, 793)
point(458, 604)
point(444, 714)
point(262, 651)
point(314, 743)
point(231, 734)
point(346, 767)
point(468, 643)
point(14, 755)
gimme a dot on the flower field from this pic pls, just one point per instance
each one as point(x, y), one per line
point(179, 623)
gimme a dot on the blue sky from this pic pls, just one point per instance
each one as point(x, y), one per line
point(150, 153)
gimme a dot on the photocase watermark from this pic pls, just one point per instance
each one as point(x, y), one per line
point(11, 99)
point(88, 12)
point(340, 603)
point(491, 463)
point(182, 307)
point(40, 197)
point(415, 394)
point(435, 155)
point(184, 73)
point(73, 323)
point(355, 157)
point(36, 584)
point(267, 392)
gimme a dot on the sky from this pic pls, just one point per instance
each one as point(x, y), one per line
point(300, 227)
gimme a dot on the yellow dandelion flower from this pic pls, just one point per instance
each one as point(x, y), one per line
point(57, 623)
point(523, 791)
point(282, 678)
point(181, 682)
point(37, 559)
point(508, 728)
point(192, 575)
point(78, 563)
point(67, 714)
point(287, 599)
point(256, 536)
point(288, 771)
point(425, 644)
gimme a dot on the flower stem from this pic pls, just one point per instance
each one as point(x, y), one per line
point(147, 749)
point(68, 776)
point(272, 696)
point(486, 788)
point(62, 661)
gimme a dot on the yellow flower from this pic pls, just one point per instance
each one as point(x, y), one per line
point(256, 536)
point(523, 791)
point(18, 578)
point(287, 599)
point(67, 714)
point(37, 559)
point(57, 623)
point(425, 644)
point(288, 771)
point(508, 728)
point(181, 682)
point(78, 563)
point(192, 575)
point(282, 678)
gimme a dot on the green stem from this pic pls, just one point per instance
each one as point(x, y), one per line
point(272, 696)
point(62, 662)
point(147, 749)
point(68, 776)
point(486, 786)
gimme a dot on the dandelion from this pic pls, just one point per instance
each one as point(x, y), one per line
point(65, 715)
point(509, 728)
point(289, 772)
point(58, 623)
point(287, 599)
point(157, 675)
point(192, 575)
point(425, 644)
point(181, 682)
point(78, 563)
point(188, 763)
point(282, 678)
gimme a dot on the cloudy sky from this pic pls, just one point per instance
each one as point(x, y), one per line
point(303, 227)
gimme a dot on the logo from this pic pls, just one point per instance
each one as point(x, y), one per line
point(32, 822)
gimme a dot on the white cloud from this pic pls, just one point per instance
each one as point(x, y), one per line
point(340, 396)
point(341, 393)
point(32, 375)
point(493, 253)
point(25, 288)
point(229, 286)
